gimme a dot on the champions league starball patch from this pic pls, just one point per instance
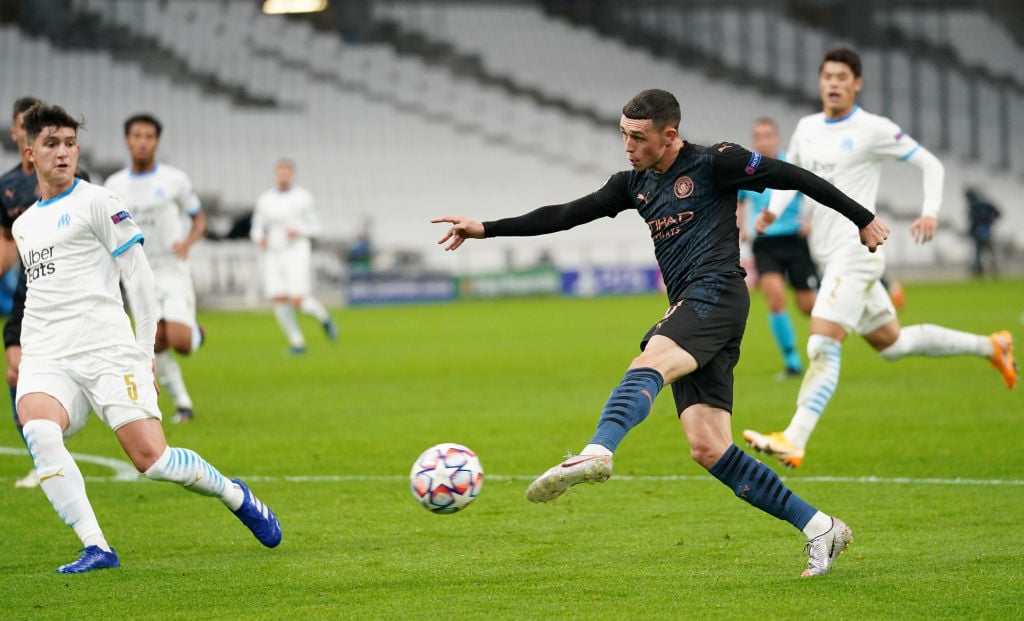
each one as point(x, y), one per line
point(755, 161)
point(683, 187)
point(119, 216)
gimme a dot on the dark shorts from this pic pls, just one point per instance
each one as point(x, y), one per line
point(708, 323)
point(787, 255)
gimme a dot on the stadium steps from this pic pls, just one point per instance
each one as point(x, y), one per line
point(90, 32)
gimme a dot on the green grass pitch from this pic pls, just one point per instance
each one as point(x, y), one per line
point(924, 458)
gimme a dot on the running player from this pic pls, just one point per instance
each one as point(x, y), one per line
point(283, 222)
point(686, 193)
point(78, 244)
point(780, 254)
point(847, 144)
point(159, 198)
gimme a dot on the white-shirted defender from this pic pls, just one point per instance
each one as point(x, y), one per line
point(161, 199)
point(846, 145)
point(283, 223)
point(79, 245)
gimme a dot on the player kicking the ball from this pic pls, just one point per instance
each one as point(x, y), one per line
point(79, 353)
point(687, 195)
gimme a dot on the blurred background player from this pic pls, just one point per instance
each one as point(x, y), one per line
point(81, 246)
point(159, 198)
point(780, 253)
point(846, 145)
point(18, 191)
point(283, 222)
point(981, 217)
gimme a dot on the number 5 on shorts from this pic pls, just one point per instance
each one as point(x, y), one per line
point(133, 389)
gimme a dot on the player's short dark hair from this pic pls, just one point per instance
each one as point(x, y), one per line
point(41, 115)
point(661, 107)
point(843, 55)
point(287, 162)
point(143, 118)
point(766, 120)
point(22, 104)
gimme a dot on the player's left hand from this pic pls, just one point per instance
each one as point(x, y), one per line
point(923, 229)
point(762, 221)
point(874, 234)
point(180, 250)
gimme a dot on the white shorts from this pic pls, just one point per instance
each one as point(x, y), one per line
point(286, 272)
point(175, 293)
point(116, 383)
point(852, 295)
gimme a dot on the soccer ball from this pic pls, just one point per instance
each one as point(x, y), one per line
point(446, 478)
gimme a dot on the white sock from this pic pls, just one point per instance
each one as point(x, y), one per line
point(930, 340)
point(312, 306)
point(62, 481)
point(595, 449)
point(169, 374)
point(819, 525)
point(186, 468)
point(285, 314)
point(819, 384)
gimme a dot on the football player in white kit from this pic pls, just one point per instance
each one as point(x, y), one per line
point(79, 353)
point(846, 145)
point(283, 222)
point(159, 198)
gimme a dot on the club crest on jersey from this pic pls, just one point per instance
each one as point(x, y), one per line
point(683, 187)
point(753, 163)
point(120, 216)
point(65, 220)
point(899, 134)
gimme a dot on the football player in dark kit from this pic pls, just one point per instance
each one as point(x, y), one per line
point(19, 190)
point(687, 195)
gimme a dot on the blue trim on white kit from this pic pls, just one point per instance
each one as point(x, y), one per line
point(909, 153)
point(128, 244)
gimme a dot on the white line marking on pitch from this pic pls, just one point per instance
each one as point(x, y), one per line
point(125, 472)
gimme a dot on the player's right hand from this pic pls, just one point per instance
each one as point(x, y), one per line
point(462, 229)
point(874, 234)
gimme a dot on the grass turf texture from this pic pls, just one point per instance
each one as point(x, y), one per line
point(327, 440)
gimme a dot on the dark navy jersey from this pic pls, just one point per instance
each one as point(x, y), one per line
point(690, 210)
point(18, 192)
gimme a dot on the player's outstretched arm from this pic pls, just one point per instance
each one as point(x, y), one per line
point(462, 229)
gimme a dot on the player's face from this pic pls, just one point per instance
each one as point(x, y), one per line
point(55, 155)
point(838, 88)
point(142, 142)
point(284, 176)
point(645, 145)
point(765, 139)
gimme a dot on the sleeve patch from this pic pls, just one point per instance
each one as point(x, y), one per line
point(753, 163)
point(120, 216)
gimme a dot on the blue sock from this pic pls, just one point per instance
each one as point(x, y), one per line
point(14, 410)
point(785, 338)
point(628, 406)
point(760, 486)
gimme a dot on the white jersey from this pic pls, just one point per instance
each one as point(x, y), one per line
point(279, 213)
point(847, 152)
point(158, 200)
point(68, 245)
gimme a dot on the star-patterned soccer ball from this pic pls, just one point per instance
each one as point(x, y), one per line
point(446, 478)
